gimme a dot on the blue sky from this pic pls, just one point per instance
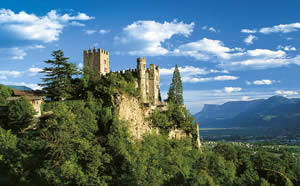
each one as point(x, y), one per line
point(226, 50)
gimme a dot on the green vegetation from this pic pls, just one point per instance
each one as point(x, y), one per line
point(175, 93)
point(57, 84)
point(5, 92)
point(81, 141)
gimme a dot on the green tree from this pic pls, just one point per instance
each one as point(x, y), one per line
point(5, 92)
point(58, 81)
point(20, 114)
point(175, 93)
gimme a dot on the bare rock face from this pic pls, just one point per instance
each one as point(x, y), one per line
point(131, 110)
point(178, 134)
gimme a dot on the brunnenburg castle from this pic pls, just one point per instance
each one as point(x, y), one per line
point(148, 78)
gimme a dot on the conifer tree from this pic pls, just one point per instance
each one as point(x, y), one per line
point(175, 93)
point(57, 83)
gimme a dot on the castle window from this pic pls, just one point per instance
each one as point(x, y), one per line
point(104, 61)
point(105, 69)
point(144, 65)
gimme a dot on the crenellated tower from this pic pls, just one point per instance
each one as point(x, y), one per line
point(148, 81)
point(97, 61)
point(148, 78)
point(141, 71)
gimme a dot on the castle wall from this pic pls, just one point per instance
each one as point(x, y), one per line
point(97, 61)
point(148, 78)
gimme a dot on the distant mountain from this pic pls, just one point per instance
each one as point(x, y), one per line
point(19, 87)
point(277, 111)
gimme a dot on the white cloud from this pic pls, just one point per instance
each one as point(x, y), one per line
point(266, 53)
point(18, 54)
point(3, 77)
point(89, 32)
point(102, 31)
point(204, 49)
point(190, 70)
point(249, 40)
point(14, 53)
point(39, 46)
point(286, 93)
point(212, 29)
point(189, 74)
point(263, 82)
point(282, 28)
point(146, 37)
point(259, 59)
point(76, 23)
point(35, 69)
point(46, 28)
point(245, 98)
point(286, 48)
point(232, 89)
point(80, 66)
point(189, 79)
point(12, 73)
point(248, 31)
point(235, 58)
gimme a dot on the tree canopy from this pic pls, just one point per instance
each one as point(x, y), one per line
point(175, 93)
point(57, 84)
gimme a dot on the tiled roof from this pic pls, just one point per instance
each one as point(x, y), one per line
point(26, 93)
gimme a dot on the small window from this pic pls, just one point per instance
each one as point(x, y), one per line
point(105, 69)
point(104, 61)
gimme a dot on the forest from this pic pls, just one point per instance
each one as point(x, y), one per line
point(79, 139)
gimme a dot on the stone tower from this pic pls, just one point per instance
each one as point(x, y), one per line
point(148, 81)
point(141, 69)
point(97, 61)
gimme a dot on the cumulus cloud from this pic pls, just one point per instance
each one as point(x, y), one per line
point(188, 79)
point(89, 32)
point(76, 23)
point(102, 31)
point(146, 37)
point(263, 82)
point(232, 89)
point(190, 70)
point(10, 74)
point(14, 53)
point(189, 74)
point(34, 71)
point(248, 31)
point(260, 59)
point(212, 29)
point(205, 49)
point(286, 48)
point(282, 28)
point(249, 40)
point(286, 93)
point(31, 27)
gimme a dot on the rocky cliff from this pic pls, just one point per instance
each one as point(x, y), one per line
point(130, 109)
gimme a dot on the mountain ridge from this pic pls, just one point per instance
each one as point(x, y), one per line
point(276, 111)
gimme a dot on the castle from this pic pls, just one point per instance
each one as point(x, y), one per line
point(148, 78)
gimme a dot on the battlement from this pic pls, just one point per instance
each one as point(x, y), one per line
point(94, 51)
point(97, 61)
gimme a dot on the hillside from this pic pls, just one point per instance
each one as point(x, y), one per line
point(277, 111)
point(18, 87)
